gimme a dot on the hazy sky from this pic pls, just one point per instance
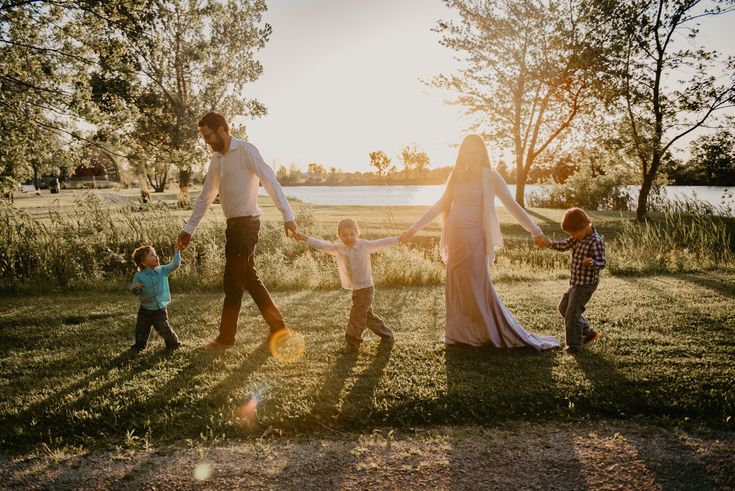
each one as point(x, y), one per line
point(343, 78)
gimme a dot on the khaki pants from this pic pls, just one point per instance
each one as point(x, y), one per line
point(362, 316)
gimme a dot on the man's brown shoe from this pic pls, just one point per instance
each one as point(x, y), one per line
point(215, 346)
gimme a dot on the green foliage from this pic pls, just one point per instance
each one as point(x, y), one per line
point(712, 162)
point(586, 190)
point(89, 244)
point(524, 95)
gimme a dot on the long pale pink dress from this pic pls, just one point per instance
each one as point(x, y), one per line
point(475, 314)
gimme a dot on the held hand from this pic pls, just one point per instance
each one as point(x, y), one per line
point(406, 236)
point(290, 228)
point(183, 241)
point(298, 236)
point(588, 262)
point(541, 241)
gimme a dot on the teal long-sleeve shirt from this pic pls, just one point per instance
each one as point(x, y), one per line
point(155, 293)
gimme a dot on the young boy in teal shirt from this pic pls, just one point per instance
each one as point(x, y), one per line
point(150, 283)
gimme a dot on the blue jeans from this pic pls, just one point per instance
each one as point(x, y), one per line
point(571, 307)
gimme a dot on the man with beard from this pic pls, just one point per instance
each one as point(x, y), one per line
point(234, 172)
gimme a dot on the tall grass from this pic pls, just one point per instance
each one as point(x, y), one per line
point(90, 246)
point(675, 242)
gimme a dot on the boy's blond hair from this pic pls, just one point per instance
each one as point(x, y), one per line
point(347, 223)
point(139, 254)
point(575, 219)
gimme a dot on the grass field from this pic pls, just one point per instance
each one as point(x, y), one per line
point(668, 352)
point(666, 306)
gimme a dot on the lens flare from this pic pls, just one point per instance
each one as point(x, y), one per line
point(287, 346)
point(203, 471)
point(247, 414)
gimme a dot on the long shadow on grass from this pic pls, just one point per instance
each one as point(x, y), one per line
point(687, 471)
point(213, 412)
point(49, 418)
point(613, 393)
point(720, 286)
point(325, 409)
point(360, 398)
point(490, 384)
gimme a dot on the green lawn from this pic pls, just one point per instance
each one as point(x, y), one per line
point(66, 378)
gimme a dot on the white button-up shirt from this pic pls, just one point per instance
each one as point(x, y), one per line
point(236, 176)
point(353, 263)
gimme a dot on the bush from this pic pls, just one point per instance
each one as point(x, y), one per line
point(586, 190)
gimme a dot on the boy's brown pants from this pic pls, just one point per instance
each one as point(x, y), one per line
point(362, 316)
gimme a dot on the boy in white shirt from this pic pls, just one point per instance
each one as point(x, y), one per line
point(355, 273)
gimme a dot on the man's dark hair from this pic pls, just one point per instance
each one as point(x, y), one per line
point(213, 120)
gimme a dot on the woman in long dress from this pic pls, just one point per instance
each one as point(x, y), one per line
point(470, 236)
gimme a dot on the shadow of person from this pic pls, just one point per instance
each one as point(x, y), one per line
point(609, 384)
point(487, 384)
point(360, 399)
point(45, 418)
point(325, 408)
point(213, 409)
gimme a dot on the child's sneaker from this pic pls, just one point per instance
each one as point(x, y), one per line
point(135, 349)
point(591, 337)
point(174, 347)
point(572, 350)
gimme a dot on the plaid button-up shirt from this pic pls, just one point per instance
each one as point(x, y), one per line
point(591, 246)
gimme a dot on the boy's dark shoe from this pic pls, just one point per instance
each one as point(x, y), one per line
point(215, 346)
point(174, 347)
point(136, 349)
point(591, 337)
point(572, 350)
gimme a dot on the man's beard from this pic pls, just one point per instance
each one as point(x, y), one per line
point(218, 146)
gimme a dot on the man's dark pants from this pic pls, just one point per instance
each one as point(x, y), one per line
point(240, 276)
point(571, 307)
point(158, 319)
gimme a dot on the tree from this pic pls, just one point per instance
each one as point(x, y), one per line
point(198, 56)
point(316, 169)
point(40, 52)
point(529, 71)
point(714, 157)
point(658, 109)
point(413, 159)
point(380, 161)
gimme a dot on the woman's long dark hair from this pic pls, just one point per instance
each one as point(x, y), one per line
point(472, 154)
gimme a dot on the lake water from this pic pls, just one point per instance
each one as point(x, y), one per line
point(428, 195)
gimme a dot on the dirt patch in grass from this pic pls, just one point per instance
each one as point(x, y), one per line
point(595, 455)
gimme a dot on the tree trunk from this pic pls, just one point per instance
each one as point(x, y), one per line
point(35, 175)
point(521, 177)
point(642, 210)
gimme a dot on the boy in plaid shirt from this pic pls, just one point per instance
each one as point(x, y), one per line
point(588, 258)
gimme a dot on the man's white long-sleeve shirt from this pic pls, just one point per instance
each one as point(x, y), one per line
point(353, 262)
point(236, 176)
